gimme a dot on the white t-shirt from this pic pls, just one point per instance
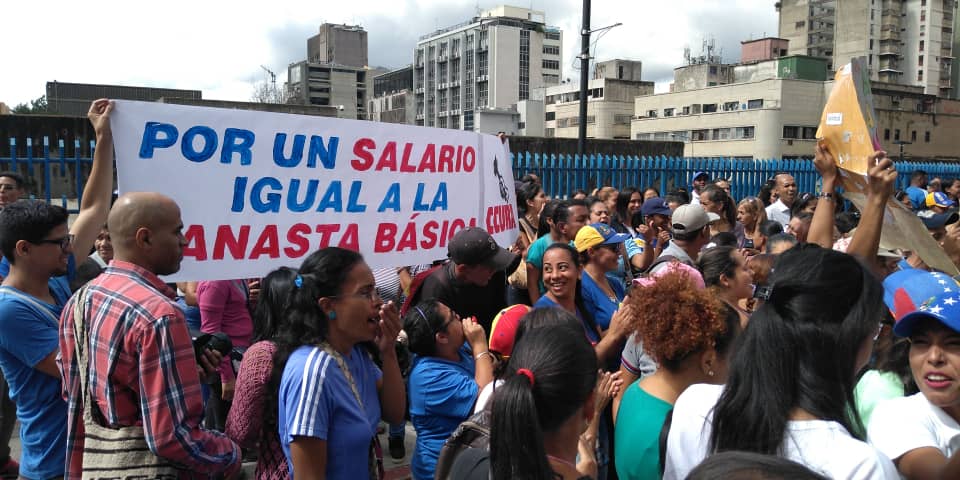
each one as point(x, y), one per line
point(902, 424)
point(822, 446)
point(485, 395)
point(779, 213)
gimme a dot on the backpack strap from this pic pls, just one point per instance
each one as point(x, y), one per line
point(664, 433)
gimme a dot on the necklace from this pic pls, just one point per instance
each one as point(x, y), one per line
point(562, 461)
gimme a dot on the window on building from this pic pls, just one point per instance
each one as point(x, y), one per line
point(468, 120)
point(622, 119)
point(481, 94)
point(442, 123)
point(920, 76)
point(913, 136)
point(709, 108)
point(743, 132)
point(886, 134)
point(720, 134)
point(668, 112)
point(896, 134)
point(730, 106)
point(699, 135)
point(521, 124)
point(755, 103)
point(713, 70)
point(552, 35)
point(549, 132)
point(790, 132)
point(591, 119)
point(800, 24)
point(686, 110)
point(920, 60)
point(550, 116)
point(562, 122)
point(653, 113)
point(926, 137)
point(455, 122)
point(809, 133)
point(551, 50)
point(871, 44)
point(551, 64)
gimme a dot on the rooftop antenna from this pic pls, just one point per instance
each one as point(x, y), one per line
point(273, 76)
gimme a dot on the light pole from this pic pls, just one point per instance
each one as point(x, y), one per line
point(584, 75)
point(901, 143)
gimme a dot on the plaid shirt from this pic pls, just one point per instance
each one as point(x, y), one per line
point(142, 372)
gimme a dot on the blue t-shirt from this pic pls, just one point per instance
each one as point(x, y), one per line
point(315, 400)
point(592, 335)
point(29, 332)
point(918, 197)
point(442, 394)
point(597, 302)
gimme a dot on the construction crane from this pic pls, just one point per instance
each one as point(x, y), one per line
point(273, 76)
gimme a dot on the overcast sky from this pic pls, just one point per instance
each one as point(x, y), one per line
point(218, 47)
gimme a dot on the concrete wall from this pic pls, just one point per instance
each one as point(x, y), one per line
point(791, 12)
point(762, 49)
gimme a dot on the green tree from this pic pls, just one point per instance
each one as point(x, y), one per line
point(38, 105)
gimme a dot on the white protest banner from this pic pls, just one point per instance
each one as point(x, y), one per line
point(260, 190)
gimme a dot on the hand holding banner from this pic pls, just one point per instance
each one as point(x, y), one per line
point(261, 190)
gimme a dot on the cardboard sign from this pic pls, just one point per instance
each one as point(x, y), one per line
point(261, 190)
point(848, 127)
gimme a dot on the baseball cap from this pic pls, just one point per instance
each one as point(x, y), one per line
point(474, 246)
point(503, 331)
point(655, 206)
point(676, 266)
point(597, 234)
point(688, 218)
point(937, 220)
point(914, 294)
point(697, 175)
point(938, 199)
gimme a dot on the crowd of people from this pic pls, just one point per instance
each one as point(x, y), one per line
point(624, 334)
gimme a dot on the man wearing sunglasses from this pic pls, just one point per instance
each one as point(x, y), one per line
point(38, 249)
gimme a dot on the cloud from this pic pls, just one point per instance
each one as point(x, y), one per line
point(218, 47)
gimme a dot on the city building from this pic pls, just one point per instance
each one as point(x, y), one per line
point(768, 108)
point(392, 100)
point(905, 42)
point(610, 102)
point(701, 71)
point(339, 44)
point(73, 99)
point(335, 73)
point(490, 62)
point(4, 109)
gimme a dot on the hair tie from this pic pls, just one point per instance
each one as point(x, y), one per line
point(528, 374)
point(422, 315)
point(298, 281)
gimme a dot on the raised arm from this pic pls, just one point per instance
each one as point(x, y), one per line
point(822, 225)
point(880, 181)
point(95, 201)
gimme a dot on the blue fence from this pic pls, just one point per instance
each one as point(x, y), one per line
point(39, 170)
point(562, 174)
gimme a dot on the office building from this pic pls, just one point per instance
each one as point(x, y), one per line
point(490, 62)
point(392, 100)
point(905, 42)
point(73, 99)
point(610, 102)
point(339, 44)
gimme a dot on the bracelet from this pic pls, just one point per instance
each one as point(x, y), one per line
point(481, 354)
point(826, 195)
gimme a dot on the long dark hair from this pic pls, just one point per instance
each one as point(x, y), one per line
point(322, 274)
point(276, 293)
point(578, 298)
point(799, 351)
point(622, 216)
point(563, 368)
point(546, 216)
point(526, 191)
point(715, 262)
point(719, 195)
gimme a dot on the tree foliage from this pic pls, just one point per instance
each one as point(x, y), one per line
point(38, 105)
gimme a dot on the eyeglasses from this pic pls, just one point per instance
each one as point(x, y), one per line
point(443, 328)
point(372, 295)
point(63, 242)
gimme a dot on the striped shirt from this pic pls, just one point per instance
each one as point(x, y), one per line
point(315, 400)
point(142, 372)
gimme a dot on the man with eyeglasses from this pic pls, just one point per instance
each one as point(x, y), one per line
point(11, 188)
point(38, 249)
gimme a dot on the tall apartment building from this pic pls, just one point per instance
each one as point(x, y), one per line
point(490, 62)
point(905, 42)
point(340, 44)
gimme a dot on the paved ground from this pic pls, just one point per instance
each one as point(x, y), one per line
point(395, 469)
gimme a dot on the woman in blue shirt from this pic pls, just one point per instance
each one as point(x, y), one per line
point(451, 366)
point(330, 392)
point(599, 247)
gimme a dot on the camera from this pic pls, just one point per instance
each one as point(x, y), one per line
point(218, 341)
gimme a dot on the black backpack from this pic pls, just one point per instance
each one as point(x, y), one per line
point(473, 433)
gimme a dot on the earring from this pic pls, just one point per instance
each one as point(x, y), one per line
point(332, 315)
point(710, 373)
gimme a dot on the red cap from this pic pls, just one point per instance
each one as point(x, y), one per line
point(504, 328)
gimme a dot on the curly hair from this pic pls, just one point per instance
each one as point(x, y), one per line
point(674, 319)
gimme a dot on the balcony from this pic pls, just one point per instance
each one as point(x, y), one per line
point(890, 35)
point(946, 53)
point(889, 50)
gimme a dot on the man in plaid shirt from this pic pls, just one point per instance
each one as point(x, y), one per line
point(142, 365)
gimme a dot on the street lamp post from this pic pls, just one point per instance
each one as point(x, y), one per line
point(584, 75)
point(901, 143)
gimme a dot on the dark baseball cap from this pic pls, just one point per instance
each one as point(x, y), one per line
point(474, 246)
point(655, 206)
point(938, 220)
